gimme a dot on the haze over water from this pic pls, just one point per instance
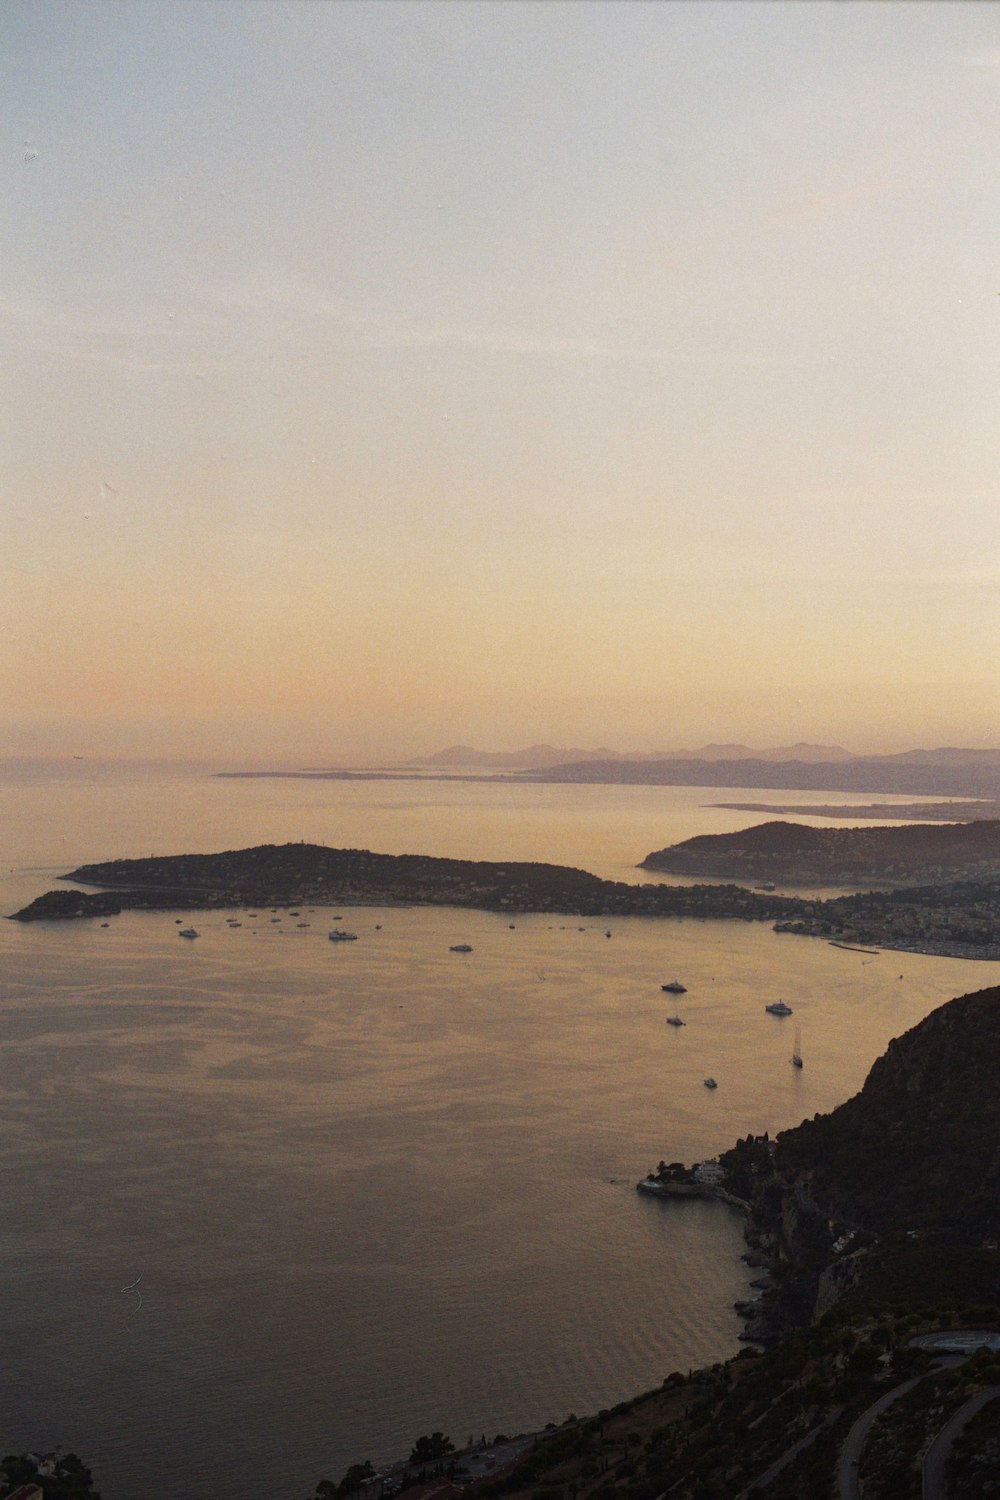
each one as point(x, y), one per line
point(381, 376)
point(379, 1188)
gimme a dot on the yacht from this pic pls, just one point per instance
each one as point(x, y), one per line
point(674, 988)
point(337, 936)
point(460, 948)
point(187, 932)
point(675, 1021)
point(710, 1083)
point(778, 1008)
point(797, 1053)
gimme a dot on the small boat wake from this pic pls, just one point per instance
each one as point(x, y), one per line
point(133, 1287)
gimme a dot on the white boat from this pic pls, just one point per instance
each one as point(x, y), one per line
point(674, 988)
point(460, 948)
point(675, 1021)
point(710, 1083)
point(187, 932)
point(778, 1008)
point(337, 936)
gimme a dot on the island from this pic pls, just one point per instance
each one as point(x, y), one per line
point(797, 854)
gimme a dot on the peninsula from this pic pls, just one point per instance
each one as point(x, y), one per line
point(944, 772)
point(272, 874)
point(897, 812)
point(795, 854)
point(959, 919)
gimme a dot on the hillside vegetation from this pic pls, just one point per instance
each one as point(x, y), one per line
point(796, 854)
point(919, 1147)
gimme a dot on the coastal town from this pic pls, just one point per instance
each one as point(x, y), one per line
point(960, 920)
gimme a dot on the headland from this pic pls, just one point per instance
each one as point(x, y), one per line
point(959, 919)
point(314, 874)
point(797, 854)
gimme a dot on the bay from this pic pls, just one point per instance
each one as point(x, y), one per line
point(367, 1190)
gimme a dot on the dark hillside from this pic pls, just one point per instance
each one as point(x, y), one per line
point(919, 1146)
point(311, 873)
point(797, 854)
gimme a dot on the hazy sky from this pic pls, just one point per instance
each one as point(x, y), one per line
point(380, 375)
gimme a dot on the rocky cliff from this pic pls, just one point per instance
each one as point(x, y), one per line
point(915, 1156)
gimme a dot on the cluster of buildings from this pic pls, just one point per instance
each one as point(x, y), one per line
point(960, 923)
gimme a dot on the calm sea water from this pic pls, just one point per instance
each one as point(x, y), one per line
point(368, 1190)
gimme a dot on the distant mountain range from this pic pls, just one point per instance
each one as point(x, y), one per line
point(947, 771)
point(542, 757)
point(539, 757)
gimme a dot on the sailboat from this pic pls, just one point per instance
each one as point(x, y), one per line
point(797, 1054)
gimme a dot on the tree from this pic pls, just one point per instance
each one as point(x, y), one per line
point(432, 1449)
point(354, 1478)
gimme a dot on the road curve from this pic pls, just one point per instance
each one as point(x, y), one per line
point(848, 1487)
point(938, 1453)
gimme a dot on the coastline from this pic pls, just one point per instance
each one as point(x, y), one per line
point(958, 919)
point(705, 1190)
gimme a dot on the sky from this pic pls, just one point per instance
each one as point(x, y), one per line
point(378, 376)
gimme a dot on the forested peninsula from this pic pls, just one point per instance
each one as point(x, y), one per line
point(292, 874)
point(795, 854)
point(959, 919)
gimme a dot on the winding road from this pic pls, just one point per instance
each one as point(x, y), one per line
point(848, 1487)
point(937, 1455)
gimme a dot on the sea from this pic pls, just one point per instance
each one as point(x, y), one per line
point(271, 1205)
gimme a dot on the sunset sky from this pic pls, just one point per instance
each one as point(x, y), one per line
point(379, 376)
